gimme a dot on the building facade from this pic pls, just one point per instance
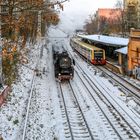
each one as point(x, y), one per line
point(108, 20)
point(129, 56)
point(134, 53)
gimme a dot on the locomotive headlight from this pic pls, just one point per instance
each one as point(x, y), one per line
point(59, 74)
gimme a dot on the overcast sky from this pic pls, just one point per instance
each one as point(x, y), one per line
point(87, 6)
point(77, 11)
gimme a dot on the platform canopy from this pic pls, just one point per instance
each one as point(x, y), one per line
point(122, 50)
point(107, 40)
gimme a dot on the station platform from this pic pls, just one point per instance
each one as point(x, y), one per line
point(110, 44)
point(114, 67)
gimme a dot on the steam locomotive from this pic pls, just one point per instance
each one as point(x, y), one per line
point(63, 65)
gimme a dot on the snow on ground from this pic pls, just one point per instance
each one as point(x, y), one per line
point(13, 112)
point(45, 117)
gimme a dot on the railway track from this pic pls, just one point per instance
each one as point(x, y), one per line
point(31, 94)
point(28, 108)
point(136, 86)
point(129, 87)
point(76, 126)
point(124, 125)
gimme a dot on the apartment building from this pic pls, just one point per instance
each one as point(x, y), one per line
point(108, 18)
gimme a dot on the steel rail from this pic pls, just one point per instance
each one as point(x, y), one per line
point(81, 112)
point(113, 106)
point(29, 100)
point(72, 137)
point(120, 137)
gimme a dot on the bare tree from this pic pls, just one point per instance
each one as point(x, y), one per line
point(121, 18)
point(129, 17)
point(91, 25)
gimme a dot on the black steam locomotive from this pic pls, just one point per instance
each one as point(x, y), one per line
point(63, 65)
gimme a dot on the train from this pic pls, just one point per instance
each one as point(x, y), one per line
point(63, 65)
point(92, 53)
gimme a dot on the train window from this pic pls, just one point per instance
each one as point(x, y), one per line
point(98, 54)
point(98, 50)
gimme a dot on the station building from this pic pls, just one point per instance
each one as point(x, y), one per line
point(129, 57)
point(108, 43)
point(122, 54)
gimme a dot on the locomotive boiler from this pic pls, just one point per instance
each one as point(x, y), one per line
point(63, 65)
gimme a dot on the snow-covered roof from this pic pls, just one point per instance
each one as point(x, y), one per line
point(122, 50)
point(107, 40)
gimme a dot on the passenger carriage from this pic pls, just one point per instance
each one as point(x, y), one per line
point(95, 55)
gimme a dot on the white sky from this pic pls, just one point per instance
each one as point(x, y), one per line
point(77, 11)
point(87, 6)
